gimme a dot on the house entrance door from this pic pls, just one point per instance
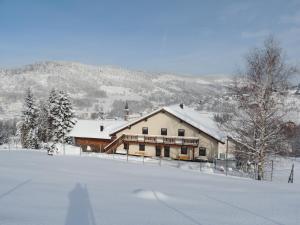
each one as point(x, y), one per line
point(166, 151)
point(158, 151)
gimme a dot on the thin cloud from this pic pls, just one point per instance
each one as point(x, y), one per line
point(236, 10)
point(291, 19)
point(255, 34)
point(290, 37)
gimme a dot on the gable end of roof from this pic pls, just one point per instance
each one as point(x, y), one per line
point(164, 110)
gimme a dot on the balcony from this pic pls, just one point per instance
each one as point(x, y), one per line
point(158, 139)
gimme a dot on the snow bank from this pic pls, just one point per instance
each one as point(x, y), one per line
point(39, 189)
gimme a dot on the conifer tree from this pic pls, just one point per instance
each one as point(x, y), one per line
point(63, 117)
point(27, 127)
point(43, 125)
point(52, 113)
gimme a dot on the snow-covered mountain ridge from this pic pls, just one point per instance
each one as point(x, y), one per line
point(94, 87)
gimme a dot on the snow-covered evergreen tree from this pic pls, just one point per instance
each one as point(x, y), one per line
point(51, 121)
point(43, 125)
point(3, 133)
point(62, 116)
point(52, 112)
point(298, 90)
point(27, 127)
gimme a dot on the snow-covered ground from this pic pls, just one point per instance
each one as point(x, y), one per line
point(37, 189)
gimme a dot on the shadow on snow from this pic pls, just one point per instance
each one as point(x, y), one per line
point(80, 210)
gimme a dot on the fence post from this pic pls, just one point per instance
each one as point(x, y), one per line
point(272, 167)
point(127, 155)
point(291, 177)
point(227, 156)
point(200, 165)
point(215, 160)
point(160, 160)
point(64, 145)
point(178, 159)
point(143, 158)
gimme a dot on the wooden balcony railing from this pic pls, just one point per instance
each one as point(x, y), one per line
point(171, 140)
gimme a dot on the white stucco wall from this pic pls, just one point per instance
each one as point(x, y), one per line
point(166, 120)
point(222, 149)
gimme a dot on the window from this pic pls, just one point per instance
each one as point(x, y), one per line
point(145, 130)
point(126, 146)
point(164, 131)
point(222, 155)
point(101, 127)
point(202, 151)
point(142, 147)
point(184, 150)
point(180, 132)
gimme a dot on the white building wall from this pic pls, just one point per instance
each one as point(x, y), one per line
point(166, 120)
point(222, 150)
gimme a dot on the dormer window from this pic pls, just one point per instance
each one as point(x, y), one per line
point(101, 128)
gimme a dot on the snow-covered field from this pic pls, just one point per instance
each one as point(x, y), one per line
point(37, 189)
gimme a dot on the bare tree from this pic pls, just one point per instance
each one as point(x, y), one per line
point(258, 120)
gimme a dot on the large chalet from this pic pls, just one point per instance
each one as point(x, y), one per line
point(176, 132)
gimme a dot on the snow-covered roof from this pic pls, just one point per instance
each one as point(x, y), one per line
point(200, 120)
point(91, 128)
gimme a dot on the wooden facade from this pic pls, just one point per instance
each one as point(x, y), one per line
point(91, 144)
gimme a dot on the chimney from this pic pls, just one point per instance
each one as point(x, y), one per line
point(181, 105)
point(126, 111)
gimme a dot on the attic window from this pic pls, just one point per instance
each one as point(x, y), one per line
point(164, 131)
point(101, 128)
point(145, 130)
point(181, 132)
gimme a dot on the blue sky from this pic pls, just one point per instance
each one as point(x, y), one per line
point(185, 37)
